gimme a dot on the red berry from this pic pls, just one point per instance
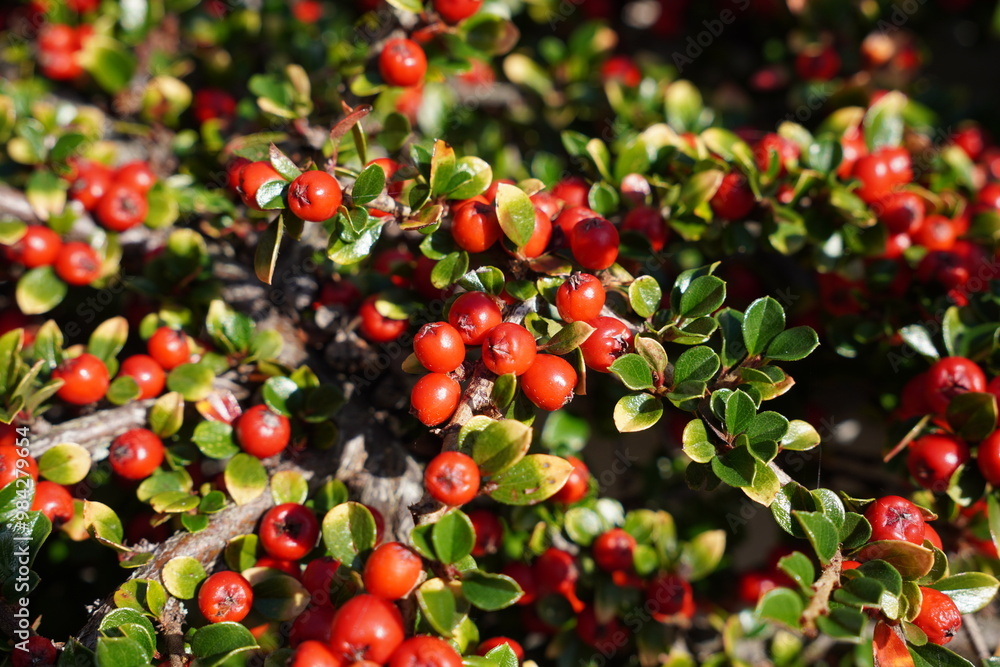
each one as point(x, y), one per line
point(234, 172)
point(950, 377)
point(291, 568)
point(435, 398)
point(933, 459)
point(773, 146)
point(58, 37)
point(225, 596)
point(474, 226)
point(540, 237)
point(549, 382)
point(263, 433)
point(77, 263)
point(392, 570)
point(613, 550)
point(488, 645)
point(147, 374)
point(424, 651)
point(318, 576)
point(881, 173)
point(939, 617)
point(610, 340)
point(600, 636)
point(647, 222)
point(136, 454)
point(92, 181)
point(988, 458)
point(366, 628)
point(572, 190)
point(580, 298)
point(474, 314)
point(314, 623)
point(54, 501)
point(39, 246)
point(524, 575)
point(621, 68)
point(314, 196)
point(931, 535)
point(213, 103)
point(338, 293)
point(15, 462)
point(971, 140)
point(753, 585)
point(454, 11)
point(571, 216)
point(375, 326)
point(489, 532)
point(734, 199)
point(122, 207)
point(289, 531)
point(594, 243)
point(556, 571)
point(853, 145)
point(439, 347)
point(40, 651)
point(547, 203)
point(577, 484)
point(85, 379)
point(817, 63)
point(901, 212)
point(169, 348)
point(136, 175)
point(402, 63)
point(509, 348)
point(312, 653)
point(936, 233)
point(395, 263)
point(252, 177)
point(669, 595)
point(452, 478)
point(895, 518)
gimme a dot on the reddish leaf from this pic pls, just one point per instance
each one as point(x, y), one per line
point(890, 649)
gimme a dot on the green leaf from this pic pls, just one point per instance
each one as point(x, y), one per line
point(369, 185)
point(654, 354)
point(736, 467)
point(740, 412)
point(501, 445)
point(277, 596)
point(122, 390)
point(245, 478)
point(733, 347)
point(39, 290)
point(241, 552)
point(762, 322)
point(276, 393)
point(352, 252)
point(109, 63)
point(633, 371)
point(215, 439)
point(569, 338)
point(793, 496)
point(912, 561)
point(531, 480)
point(442, 167)
point(861, 592)
point(282, 163)
point(821, 532)
point(767, 426)
point(830, 504)
point(583, 525)
point(793, 344)
point(487, 279)
point(438, 605)
point(480, 175)
point(490, 592)
point(798, 566)
point(173, 502)
point(932, 655)
point(800, 436)
point(516, 214)
point(266, 255)
point(450, 269)
point(108, 339)
point(348, 530)
point(702, 297)
point(229, 329)
point(697, 363)
point(503, 656)
point(782, 605)
point(103, 524)
point(192, 381)
point(181, 576)
point(637, 412)
point(220, 638)
point(703, 553)
point(973, 415)
point(167, 414)
point(453, 536)
point(883, 122)
point(144, 595)
point(970, 591)
point(66, 463)
point(289, 486)
point(919, 338)
point(120, 652)
point(843, 623)
point(697, 444)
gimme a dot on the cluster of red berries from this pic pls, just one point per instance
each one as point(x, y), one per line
point(51, 499)
point(59, 47)
point(116, 197)
point(77, 263)
point(313, 196)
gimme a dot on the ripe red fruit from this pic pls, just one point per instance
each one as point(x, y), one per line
point(92, 181)
point(773, 145)
point(439, 347)
point(950, 377)
point(895, 518)
point(474, 226)
point(939, 617)
point(474, 314)
point(314, 196)
point(135, 454)
point(169, 348)
point(621, 68)
point(524, 575)
point(289, 531)
point(396, 263)
point(39, 246)
point(40, 651)
point(594, 243)
point(489, 532)
point(610, 340)
point(754, 584)
point(54, 501)
point(882, 172)
point(817, 63)
point(122, 207)
point(263, 433)
point(577, 484)
point(435, 398)
point(453, 11)
point(668, 595)
point(597, 635)
point(14, 465)
point(77, 263)
point(225, 596)
point(147, 374)
point(318, 576)
point(571, 216)
point(556, 571)
point(366, 628)
point(540, 237)
point(933, 459)
point(509, 348)
point(375, 326)
point(424, 651)
point(288, 567)
point(988, 458)
point(234, 172)
point(252, 177)
point(901, 212)
point(547, 203)
point(402, 63)
point(452, 478)
point(971, 140)
point(313, 624)
point(647, 222)
point(85, 379)
point(936, 233)
point(573, 190)
point(489, 644)
point(212, 103)
point(549, 382)
point(931, 535)
point(734, 199)
point(580, 297)
point(392, 570)
point(312, 653)
point(137, 175)
point(613, 550)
